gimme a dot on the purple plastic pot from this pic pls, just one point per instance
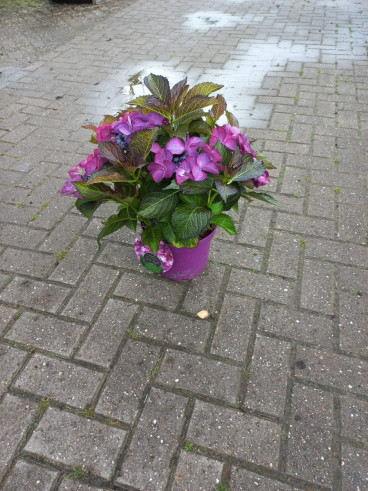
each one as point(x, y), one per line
point(189, 263)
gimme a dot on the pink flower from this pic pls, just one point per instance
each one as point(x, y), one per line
point(162, 167)
point(104, 133)
point(231, 137)
point(69, 188)
point(262, 180)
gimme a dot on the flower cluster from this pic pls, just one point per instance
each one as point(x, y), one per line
point(164, 253)
point(170, 166)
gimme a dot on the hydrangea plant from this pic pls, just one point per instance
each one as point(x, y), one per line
point(170, 166)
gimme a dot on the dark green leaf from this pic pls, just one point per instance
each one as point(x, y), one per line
point(204, 88)
point(196, 187)
point(225, 191)
point(201, 127)
point(130, 217)
point(251, 169)
point(262, 197)
point(269, 166)
point(93, 192)
point(159, 87)
point(111, 225)
point(187, 118)
point(140, 145)
point(173, 185)
point(158, 204)
point(217, 207)
point(194, 104)
point(87, 207)
point(189, 221)
point(194, 199)
point(152, 237)
point(139, 101)
point(168, 232)
point(226, 222)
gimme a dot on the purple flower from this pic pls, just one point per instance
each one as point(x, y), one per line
point(162, 167)
point(104, 133)
point(164, 253)
point(69, 188)
point(262, 180)
point(231, 137)
point(135, 121)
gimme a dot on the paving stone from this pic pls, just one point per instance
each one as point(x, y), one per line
point(260, 286)
point(124, 388)
point(244, 480)
point(46, 332)
point(155, 439)
point(305, 225)
point(26, 262)
point(104, 338)
point(11, 360)
point(21, 236)
point(236, 255)
point(172, 328)
point(333, 370)
point(26, 475)
point(293, 324)
point(196, 472)
point(353, 322)
point(354, 470)
point(235, 433)
point(202, 375)
point(6, 314)
point(321, 201)
point(293, 181)
point(36, 294)
point(255, 227)
point(150, 289)
point(75, 441)
point(284, 254)
point(120, 255)
point(342, 252)
point(204, 291)
point(16, 414)
point(91, 293)
point(70, 485)
point(60, 380)
point(310, 435)
point(64, 232)
point(76, 261)
point(233, 327)
point(269, 373)
point(353, 224)
point(318, 287)
point(353, 279)
point(354, 418)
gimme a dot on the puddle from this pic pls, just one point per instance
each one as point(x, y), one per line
point(204, 20)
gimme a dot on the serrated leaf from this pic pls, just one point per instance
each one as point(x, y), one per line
point(112, 152)
point(173, 185)
point(269, 165)
point(251, 169)
point(232, 120)
point(196, 187)
point(130, 217)
point(138, 101)
point(94, 192)
point(201, 127)
point(187, 118)
point(159, 87)
point(140, 145)
point(178, 91)
point(262, 197)
point(168, 232)
point(108, 177)
point(90, 127)
point(152, 237)
point(194, 199)
point(226, 222)
point(204, 88)
point(217, 207)
point(108, 119)
point(158, 204)
point(226, 191)
point(111, 225)
point(87, 207)
point(194, 104)
point(218, 109)
point(189, 221)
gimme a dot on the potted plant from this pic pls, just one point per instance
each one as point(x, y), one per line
point(172, 168)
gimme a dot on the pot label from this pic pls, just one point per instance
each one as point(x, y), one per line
point(152, 263)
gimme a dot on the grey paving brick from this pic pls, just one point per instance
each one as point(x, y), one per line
point(150, 289)
point(284, 254)
point(354, 469)
point(233, 327)
point(91, 293)
point(11, 360)
point(354, 418)
point(318, 287)
point(353, 223)
point(22, 236)
point(26, 262)
point(172, 328)
point(204, 291)
point(121, 256)
point(310, 435)
point(46, 332)
point(6, 314)
point(199, 374)
point(26, 475)
point(260, 286)
point(255, 227)
point(244, 480)
point(64, 232)
point(16, 414)
point(235, 433)
point(236, 255)
point(353, 322)
point(343, 252)
point(305, 225)
point(268, 375)
point(70, 485)
point(353, 279)
point(75, 441)
point(60, 380)
point(75, 262)
point(195, 472)
point(293, 181)
point(321, 201)
point(104, 338)
point(36, 294)
point(124, 388)
point(147, 462)
point(320, 366)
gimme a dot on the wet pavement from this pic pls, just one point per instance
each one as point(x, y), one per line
point(109, 380)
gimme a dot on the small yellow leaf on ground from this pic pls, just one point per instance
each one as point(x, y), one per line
point(203, 314)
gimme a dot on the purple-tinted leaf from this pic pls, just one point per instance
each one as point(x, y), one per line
point(218, 109)
point(112, 152)
point(178, 91)
point(226, 191)
point(232, 119)
point(159, 87)
point(204, 88)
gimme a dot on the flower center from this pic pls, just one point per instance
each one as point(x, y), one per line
point(178, 159)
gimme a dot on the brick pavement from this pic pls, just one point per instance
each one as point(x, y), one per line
point(109, 380)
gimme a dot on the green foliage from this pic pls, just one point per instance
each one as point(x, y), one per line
point(77, 474)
